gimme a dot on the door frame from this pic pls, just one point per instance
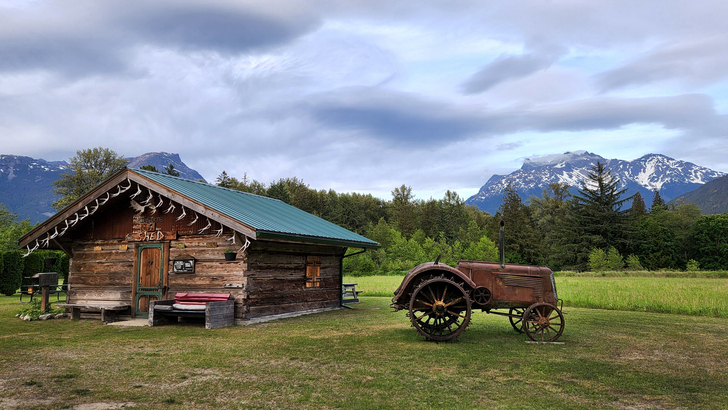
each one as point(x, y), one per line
point(163, 272)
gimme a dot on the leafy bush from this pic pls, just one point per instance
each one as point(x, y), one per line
point(33, 263)
point(33, 309)
point(614, 259)
point(633, 263)
point(692, 266)
point(11, 272)
point(597, 260)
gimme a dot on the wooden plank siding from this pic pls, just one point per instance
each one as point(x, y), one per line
point(268, 279)
point(100, 271)
point(277, 278)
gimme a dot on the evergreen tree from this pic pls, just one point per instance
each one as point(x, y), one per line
point(86, 170)
point(598, 215)
point(638, 208)
point(522, 239)
point(657, 202)
point(169, 170)
point(551, 214)
point(149, 168)
point(403, 210)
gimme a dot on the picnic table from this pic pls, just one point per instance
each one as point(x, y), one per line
point(349, 293)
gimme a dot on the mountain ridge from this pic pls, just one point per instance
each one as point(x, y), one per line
point(645, 174)
point(26, 184)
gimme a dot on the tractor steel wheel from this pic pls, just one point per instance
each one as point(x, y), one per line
point(543, 322)
point(515, 316)
point(440, 309)
point(482, 295)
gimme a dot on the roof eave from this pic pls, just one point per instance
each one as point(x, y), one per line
point(316, 239)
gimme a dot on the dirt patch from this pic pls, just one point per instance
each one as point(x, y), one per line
point(103, 406)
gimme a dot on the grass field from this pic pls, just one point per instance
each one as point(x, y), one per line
point(366, 358)
point(662, 294)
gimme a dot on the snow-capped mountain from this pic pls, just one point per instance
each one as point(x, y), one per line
point(651, 172)
point(26, 184)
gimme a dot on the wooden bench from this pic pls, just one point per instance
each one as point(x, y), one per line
point(218, 309)
point(108, 310)
point(349, 293)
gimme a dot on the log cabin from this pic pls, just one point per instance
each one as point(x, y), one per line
point(141, 236)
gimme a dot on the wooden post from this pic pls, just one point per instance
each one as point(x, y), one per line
point(44, 305)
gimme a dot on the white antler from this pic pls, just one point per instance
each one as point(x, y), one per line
point(245, 246)
point(232, 238)
point(31, 250)
point(65, 228)
point(160, 203)
point(183, 214)
point(137, 208)
point(103, 201)
point(44, 242)
point(139, 191)
point(55, 233)
point(75, 221)
point(193, 221)
point(171, 207)
point(218, 232)
point(85, 208)
point(94, 208)
point(149, 198)
point(126, 188)
point(208, 226)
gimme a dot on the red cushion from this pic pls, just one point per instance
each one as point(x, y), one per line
point(201, 297)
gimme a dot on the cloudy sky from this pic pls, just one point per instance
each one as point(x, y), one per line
point(365, 95)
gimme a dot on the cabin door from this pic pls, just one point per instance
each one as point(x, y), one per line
point(149, 277)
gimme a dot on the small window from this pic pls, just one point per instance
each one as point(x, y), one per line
point(313, 271)
point(183, 264)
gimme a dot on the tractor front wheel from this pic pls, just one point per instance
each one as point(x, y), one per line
point(543, 322)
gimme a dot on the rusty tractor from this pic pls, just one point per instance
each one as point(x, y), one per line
point(439, 299)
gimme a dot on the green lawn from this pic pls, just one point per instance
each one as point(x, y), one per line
point(681, 295)
point(367, 358)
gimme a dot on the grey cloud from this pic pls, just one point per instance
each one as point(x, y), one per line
point(698, 62)
point(404, 118)
point(230, 30)
point(399, 118)
point(507, 68)
point(74, 44)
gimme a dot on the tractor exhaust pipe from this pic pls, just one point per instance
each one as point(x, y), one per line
point(501, 245)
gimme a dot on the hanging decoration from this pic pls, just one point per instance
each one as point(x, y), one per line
point(208, 226)
point(179, 218)
point(194, 220)
point(139, 191)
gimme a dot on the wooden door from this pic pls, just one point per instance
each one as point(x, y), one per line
point(149, 277)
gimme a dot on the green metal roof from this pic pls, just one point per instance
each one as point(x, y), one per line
point(270, 218)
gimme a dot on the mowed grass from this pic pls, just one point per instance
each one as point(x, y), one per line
point(366, 358)
point(679, 295)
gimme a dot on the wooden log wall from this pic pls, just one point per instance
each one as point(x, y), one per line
point(101, 271)
point(276, 279)
point(213, 274)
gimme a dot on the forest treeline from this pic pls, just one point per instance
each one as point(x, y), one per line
point(590, 230)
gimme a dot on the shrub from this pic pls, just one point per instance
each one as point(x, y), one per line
point(33, 263)
point(633, 263)
point(597, 260)
point(692, 266)
point(11, 272)
point(614, 259)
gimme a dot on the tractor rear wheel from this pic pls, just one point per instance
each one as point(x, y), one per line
point(440, 309)
point(543, 322)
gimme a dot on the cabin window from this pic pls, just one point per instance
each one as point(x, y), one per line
point(183, 264)
point(313, 272)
